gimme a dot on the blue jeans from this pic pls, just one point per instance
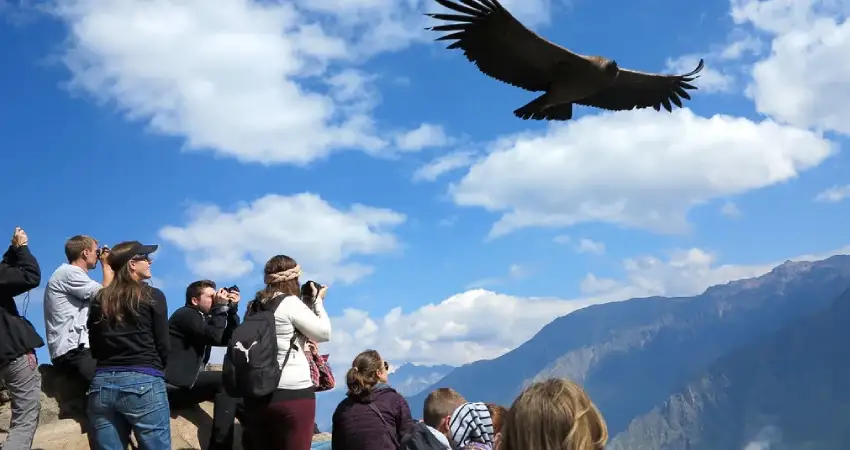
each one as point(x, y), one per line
point(120, 402)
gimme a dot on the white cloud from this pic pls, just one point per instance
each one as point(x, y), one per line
point(427, 135)
point(730, 209)
point(256, 81)
point(584, 245)
point(443, 164)
point(592, 284)
point(834, 194)
point(452, 332)
point(637, 168)
point(322, 238)
point(590, 246)
point(807, 64)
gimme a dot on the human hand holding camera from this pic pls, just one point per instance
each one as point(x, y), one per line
point(102, 255)
point(19, 238)
point(322, 291)
point(222, 297)
point(234, 294)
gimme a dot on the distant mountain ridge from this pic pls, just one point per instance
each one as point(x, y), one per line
point(789, 391)
point(632, 355)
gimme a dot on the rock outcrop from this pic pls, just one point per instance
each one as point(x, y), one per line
point(62, 420)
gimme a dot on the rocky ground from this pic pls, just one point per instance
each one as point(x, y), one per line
point(63, 412)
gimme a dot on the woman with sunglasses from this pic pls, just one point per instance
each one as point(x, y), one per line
point(128, 335)
point(373, 416)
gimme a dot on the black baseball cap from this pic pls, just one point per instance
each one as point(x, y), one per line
point(138, 249)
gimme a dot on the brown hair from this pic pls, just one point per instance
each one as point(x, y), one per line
point(363, 374)
point(123, 297)
point(555, 414)
point(439, 404)
point(497, 414)
point(196, 288)
point(274, 265)
point(76, 245)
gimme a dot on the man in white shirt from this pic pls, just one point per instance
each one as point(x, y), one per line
point(66, 306)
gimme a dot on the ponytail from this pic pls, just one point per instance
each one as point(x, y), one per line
point(362, 377)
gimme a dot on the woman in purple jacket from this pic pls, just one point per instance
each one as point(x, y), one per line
point(373, 416)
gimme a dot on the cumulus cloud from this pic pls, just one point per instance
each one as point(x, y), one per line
point(229, 244)
point(442, 165)
point(834, 194)
point(809, 42)
point(265, 82)
point(427, 135)
point(452, 332)
point(639, 169)
point(584, 245)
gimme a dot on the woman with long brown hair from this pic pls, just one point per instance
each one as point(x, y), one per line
point(373, 416)
point(286, 418)
point(128, 335)
point(555, 414)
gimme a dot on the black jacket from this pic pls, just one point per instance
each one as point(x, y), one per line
point(141, 341)
point(420, 438)
point(19, 273)
point(193, 334)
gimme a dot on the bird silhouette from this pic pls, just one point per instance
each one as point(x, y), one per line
point(503, 48)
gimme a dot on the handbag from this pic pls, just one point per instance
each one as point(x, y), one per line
point(320, 370)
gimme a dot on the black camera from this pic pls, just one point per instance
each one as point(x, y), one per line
point(233, 288)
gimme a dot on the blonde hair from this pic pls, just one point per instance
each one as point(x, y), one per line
point(555, 414)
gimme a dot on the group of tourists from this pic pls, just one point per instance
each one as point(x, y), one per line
point(554, 414)
point(139, 363)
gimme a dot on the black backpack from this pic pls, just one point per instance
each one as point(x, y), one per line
point(250, 363)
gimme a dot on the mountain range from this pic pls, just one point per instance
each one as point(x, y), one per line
point(789, 391)
point(675, 373)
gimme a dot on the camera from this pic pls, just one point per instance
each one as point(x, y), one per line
point(233, 288)
point(310, 289)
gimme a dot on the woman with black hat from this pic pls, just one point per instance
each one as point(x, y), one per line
point(128, 335)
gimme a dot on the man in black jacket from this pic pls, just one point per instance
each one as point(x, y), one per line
point(19, 273)
point(207, 320)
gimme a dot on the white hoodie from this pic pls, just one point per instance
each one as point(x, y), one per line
point(293, 314)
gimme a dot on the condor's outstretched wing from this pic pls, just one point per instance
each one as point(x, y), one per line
point(637, 90)
point(501, 46)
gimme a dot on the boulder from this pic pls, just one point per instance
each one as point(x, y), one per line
point(62, 420)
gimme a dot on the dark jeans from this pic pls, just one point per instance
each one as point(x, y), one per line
point(23, 381)
point(284, 423)
point(78, 361)
point(208, 387)
point(120, 402)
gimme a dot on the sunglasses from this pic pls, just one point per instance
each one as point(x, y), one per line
point(146, 258)
point(386, 365)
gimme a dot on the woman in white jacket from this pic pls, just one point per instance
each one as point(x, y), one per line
point(286, 419)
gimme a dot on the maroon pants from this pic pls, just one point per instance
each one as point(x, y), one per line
point(283, 425)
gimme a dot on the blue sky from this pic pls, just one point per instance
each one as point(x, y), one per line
point(230, 131)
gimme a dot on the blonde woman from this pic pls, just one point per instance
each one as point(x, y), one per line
point(555, 414)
